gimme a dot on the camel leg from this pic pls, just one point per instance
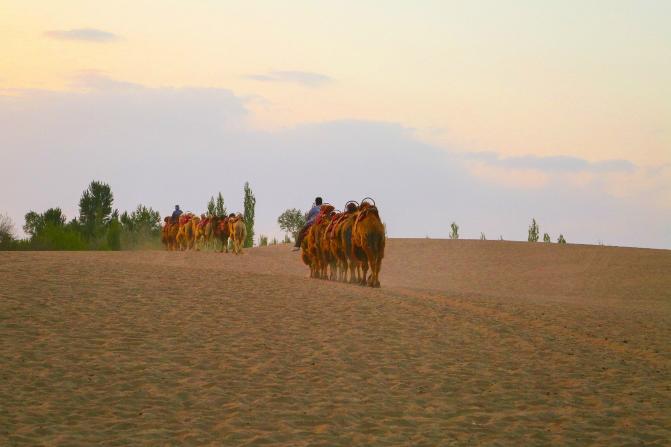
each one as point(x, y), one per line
point(378, 266)
point(364, 273)
point(352, 271)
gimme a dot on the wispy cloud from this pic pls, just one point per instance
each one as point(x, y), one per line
point(551, 164)
point(305, 78)
point(98, 80)
point(83, 34)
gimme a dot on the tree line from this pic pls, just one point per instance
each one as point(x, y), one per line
point(99, 226)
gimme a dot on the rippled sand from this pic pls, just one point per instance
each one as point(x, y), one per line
point(467, 342)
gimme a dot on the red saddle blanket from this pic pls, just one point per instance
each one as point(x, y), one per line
point(184, 219)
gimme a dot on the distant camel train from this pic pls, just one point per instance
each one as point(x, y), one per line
point(191, 232)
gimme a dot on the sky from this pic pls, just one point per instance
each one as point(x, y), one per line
point(484, 113)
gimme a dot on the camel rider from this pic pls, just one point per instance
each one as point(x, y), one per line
point(310, 219)
point(176, 214)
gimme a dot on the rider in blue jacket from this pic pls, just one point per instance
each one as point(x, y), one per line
point(310, 219)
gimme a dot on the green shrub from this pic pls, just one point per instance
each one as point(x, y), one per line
point(454, 233)
point(57, 237)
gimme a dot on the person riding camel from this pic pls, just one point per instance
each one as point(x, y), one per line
point(310, 219)
point(176, 214)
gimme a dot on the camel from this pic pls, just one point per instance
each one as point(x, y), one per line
point(333, 236)
point(355, 257)
point(193, 233)
point(221, 231)
point(184, 236)
point(237, 232)
point(203, 231)
point(316, 248)
point(169, 234)
point(327, 262)
point(368, 235)
point(308, 258)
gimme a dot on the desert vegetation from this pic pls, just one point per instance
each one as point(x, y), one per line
point(291, 221)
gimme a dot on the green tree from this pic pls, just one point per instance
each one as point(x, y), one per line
point(561, 240)
point(6, 230)
point(95, 209)
point(145, 219)
point(249, 203)
point(546, 238)
point(35, 223)
point(113, 234)
point(220, 208)
point(533, 231)
point(291, 221)
point(454, 233)
point(211, 207)
point(263, 241)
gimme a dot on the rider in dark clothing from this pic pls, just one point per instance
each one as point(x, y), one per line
point(176, 213)
point(310, 219)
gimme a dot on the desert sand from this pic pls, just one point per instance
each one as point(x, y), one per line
point(466, 343)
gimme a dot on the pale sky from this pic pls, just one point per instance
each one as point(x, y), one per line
point(526, 98)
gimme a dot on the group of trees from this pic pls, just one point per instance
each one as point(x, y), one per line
point(534, 232)
point(99, 226)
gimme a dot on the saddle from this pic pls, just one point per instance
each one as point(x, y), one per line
point(335, 222)
point(324, 210)
point(185, 219)
point(364, 213)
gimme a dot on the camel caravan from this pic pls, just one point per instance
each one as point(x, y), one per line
point(345, 246)
point(188, 231)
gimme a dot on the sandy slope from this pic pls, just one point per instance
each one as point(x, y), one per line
point(467, 342)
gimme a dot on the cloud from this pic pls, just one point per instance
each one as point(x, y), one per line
point(82, 34)
point(97, 80)
point(161, 146)
point(305, 78)
point(551, 164)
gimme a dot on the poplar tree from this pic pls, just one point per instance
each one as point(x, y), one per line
point(249, 203)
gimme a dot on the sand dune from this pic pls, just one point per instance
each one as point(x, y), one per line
point(467, 342)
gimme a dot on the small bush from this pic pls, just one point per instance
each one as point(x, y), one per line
point(546, 238)
point(454, 233)
point(263, 241)
point(561, 240)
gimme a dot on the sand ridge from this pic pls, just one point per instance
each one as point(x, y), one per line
point(466, 342)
